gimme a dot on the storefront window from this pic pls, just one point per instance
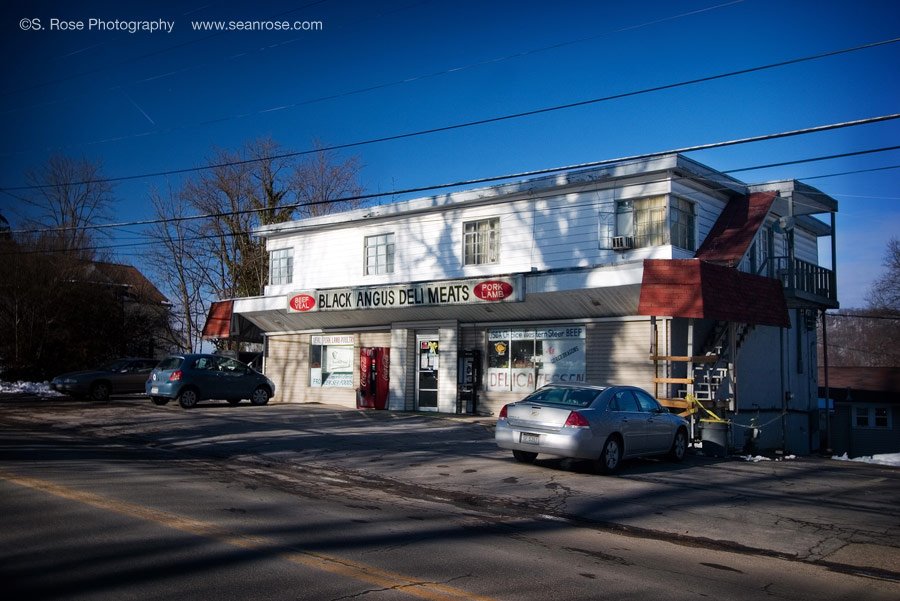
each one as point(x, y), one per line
point(521, 360)
point(331, 362)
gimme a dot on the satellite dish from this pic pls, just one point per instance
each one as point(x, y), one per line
point(784, 224)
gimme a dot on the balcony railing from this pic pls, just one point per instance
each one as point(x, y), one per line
point(805, 281)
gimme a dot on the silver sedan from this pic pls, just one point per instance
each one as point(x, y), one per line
point(605, 424)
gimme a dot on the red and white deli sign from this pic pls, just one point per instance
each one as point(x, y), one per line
point(448, 292)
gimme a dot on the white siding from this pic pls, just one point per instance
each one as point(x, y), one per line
point(806, 246)
point(546, 232)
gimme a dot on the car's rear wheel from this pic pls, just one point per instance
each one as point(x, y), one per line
point(525, 456)
point(100, 392)
point(679, 445)
point(188, 398)
point(611, 456)
point(260, 396)
point(159, 400)
point(233, 402)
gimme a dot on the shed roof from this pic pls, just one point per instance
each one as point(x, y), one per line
point(699, 289)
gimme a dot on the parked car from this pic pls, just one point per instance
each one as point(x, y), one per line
point(605, 424)
point(195, 377)
point(116, 377)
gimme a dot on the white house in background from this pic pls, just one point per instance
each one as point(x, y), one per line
point(660, 272)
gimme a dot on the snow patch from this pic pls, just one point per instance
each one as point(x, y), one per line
point(884, 459)
point(36, 388)
point(758, 458)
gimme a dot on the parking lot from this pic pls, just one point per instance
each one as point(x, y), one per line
point(809, 508)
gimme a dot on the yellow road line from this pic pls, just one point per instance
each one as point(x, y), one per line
point(320, 561)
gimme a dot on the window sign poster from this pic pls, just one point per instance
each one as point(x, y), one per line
point(337, 367)
point(331, 362)
point(526, 359)
point(564, 361)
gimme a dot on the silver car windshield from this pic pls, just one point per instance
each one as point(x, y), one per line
point(558, 395)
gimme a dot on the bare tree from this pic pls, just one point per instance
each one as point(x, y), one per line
point(56, 310)
point(884, 295)
point(70, 194)
point(174, 260)
point(259, 186)
point(243, 191)
point(325, 184)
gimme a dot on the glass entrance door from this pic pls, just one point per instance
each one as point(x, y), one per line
point(427, 364)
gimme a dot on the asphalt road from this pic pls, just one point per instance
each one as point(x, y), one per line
point(131, 501)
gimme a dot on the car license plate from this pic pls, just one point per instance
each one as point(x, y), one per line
point(154, 390)
point(526, 438)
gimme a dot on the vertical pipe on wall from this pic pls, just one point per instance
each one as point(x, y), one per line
point(781, 343)
point(827, 390)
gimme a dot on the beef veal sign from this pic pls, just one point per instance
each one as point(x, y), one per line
point(450, 292)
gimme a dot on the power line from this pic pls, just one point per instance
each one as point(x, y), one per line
point(394, 83)
point(810, 160)
point(485, 121)
point(193, 236)
point(519, 175)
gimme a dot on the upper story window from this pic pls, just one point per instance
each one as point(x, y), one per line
point(379, 254)
point(681, 223)
point(654, 221)
point(481, 242)
point(281, 266)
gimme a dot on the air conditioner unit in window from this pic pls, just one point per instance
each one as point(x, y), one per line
point(622, 242)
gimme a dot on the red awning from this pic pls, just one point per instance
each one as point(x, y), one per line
point(695, 288)
point(218, 320)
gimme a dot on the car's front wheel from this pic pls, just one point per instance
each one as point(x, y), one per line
point(679, 445)
point(188, 398)
point(100, 392)
point(260, 396)
point(611, 456)
point(525, 456)
point(159, 400)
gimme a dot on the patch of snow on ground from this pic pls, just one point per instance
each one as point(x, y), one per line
point(37, 388)
point(758, 458)
point(885, 459)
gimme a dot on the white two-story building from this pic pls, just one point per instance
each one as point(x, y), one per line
point(660, 272)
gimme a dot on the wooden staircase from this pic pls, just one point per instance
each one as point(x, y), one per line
point(707, 373)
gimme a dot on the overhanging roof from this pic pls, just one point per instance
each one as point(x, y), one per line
point(610, 291)
point(218, 320)
point(734, 230)
point(223, 324)
point(699, 289)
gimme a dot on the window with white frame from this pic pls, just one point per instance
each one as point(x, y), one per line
point(481, 242)
point(281, 266)
point(654, 221)
point(379, 254)
point(872, 416)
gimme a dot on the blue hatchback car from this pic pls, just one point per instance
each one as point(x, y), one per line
point(195, 377)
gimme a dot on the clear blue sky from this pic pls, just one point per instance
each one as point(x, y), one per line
point(146, 102)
